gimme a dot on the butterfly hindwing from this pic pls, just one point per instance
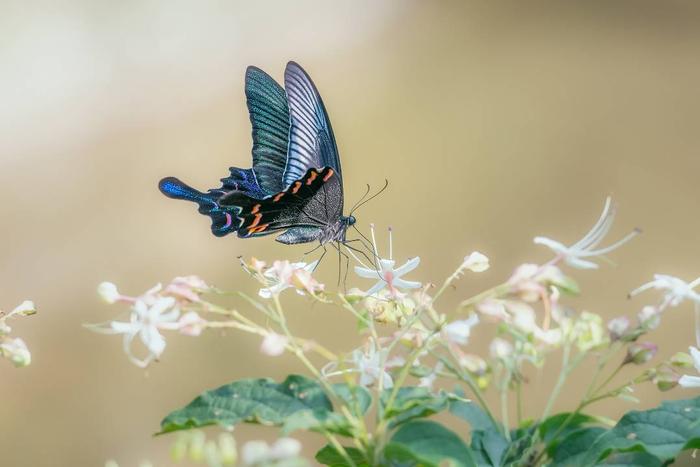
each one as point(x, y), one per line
point(293, 207)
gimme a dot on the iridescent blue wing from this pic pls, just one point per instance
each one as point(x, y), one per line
point(311, 140)
point(269, 117)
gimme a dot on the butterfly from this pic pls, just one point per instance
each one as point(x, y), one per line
point(295, 185)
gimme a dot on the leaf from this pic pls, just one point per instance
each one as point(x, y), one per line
point(473, 414)
point(571, 451)
point(663, 432)
point(491, 445)
point(551, 427)
point(632, 459)
point(429, 444)
point(328, 455)
point(412, 402)
point(357, 397)
point(250, 400)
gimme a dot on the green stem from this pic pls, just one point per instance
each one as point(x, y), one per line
point(503, 390)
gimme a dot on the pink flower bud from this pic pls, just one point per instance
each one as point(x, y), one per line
point(640, 352)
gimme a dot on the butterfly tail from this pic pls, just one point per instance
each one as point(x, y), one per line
point(222, 221)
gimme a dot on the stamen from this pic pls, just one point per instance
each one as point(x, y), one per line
point(374, 245)
point(599, 223)
point(615, 245)
point(391, 244)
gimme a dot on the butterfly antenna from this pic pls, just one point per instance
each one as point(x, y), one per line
point(361, 199)
point(386, 185)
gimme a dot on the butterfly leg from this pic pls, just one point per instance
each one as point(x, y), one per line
point(336, 245)
point(321, 258)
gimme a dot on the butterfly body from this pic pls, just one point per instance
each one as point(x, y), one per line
point(295, 186)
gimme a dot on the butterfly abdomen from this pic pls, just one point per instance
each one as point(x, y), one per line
point(222, 222)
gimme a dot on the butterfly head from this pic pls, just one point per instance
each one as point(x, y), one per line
point(348, 221)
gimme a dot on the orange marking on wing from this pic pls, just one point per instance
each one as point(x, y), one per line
point(312, 177)
point(258, 229)
point(278, 196)
point(328, 175)
point(297, 185)
point(256, 208)
point(255, 222)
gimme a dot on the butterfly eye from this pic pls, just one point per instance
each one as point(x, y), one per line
point(351, 220)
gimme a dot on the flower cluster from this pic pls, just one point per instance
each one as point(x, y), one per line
point(410, 348)
point(158, 309)
point(14, 348)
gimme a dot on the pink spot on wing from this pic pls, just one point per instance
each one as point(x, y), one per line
point(229, 220)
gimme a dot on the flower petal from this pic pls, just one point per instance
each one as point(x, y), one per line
point(407, 267)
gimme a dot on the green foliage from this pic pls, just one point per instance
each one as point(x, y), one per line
point(251, 400)
point(429, 444)
point(662, 432)
point(412, 402)
point(328, 455)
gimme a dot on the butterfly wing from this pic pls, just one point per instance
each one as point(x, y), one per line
point(294, 209)
point(311, 140)
point(269, 117)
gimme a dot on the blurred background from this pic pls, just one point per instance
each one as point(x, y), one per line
point(493, 121)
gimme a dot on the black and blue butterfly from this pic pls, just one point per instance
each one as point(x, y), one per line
point(295, 185)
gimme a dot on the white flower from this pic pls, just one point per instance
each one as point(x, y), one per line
point(389, 277)
point(500, 348)
point(146, 321)
point(368, 364)
point(688, 381)
point(273, 344)
point(281, 276)
point(677, 290)
point(261, 453)
point(108, 292)
point(458, 332)
point(16, 351)
point(476, 262)
point(586, 247)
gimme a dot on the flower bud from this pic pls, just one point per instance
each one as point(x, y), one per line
point(16, 351)
point(681, 360)
point(227, 449)
point(618, 327)
point(475, 262)
point(500, 348)
point(191, 324)
point(26, 308)
point(649, 318)
point(640, 353)
point(108, 292)
point(666, 379)
point(273, 344)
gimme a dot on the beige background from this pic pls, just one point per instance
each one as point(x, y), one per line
point(494, 121)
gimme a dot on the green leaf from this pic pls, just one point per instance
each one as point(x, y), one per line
point(429, 444)
point(552, 427)
point(663, 432)
point(250, 400)
point(357, 397)
point(632, 459)
point(573, 449)
point(490, 445)
point(412, 402)
point(328, 455)
point(473, 414)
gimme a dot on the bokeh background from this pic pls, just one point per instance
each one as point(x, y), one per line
point(493, 121)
